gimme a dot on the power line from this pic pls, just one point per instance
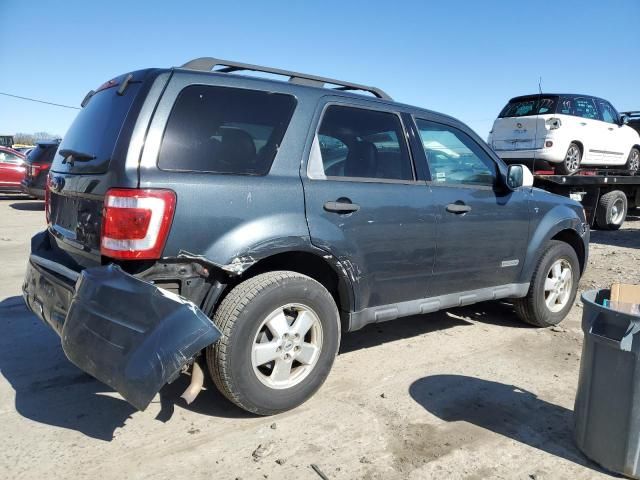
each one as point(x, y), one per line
point(38, 101)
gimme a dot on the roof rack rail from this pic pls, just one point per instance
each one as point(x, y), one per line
point(207, 64)
point(632, 113)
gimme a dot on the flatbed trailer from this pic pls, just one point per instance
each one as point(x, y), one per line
point(606, 194)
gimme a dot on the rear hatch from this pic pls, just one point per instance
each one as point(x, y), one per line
point(39, 161)
point(521, 123)
point(90, 160)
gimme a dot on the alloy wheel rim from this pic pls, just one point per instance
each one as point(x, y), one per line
point(558, 285)
point(634, 162)
point(287, 346)
point(617, 212)
point(572, 159)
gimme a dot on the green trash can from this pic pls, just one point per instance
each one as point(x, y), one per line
point(607, 408)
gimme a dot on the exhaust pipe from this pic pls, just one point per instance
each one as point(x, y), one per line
point(197, 381)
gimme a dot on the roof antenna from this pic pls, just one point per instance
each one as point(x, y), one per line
point(535, 138)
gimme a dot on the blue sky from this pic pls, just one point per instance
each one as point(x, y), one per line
point(463, 58)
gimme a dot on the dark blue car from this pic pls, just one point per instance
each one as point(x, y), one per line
point(196, 215)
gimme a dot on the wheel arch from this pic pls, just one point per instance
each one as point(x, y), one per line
point(572, 238)
point(580, 145)
point(561, 223)
point(325, 269)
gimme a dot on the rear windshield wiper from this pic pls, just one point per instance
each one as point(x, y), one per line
point(70, 155)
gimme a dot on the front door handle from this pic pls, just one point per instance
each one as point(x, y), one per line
point(458, 208)
point(342, 205)
point(611, 129)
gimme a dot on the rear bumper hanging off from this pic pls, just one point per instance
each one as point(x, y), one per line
point(127, 333)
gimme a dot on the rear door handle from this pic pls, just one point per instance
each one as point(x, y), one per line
point(342, 205)
point(611, 128)
point(458, 208)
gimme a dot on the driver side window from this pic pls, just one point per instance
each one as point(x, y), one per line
point(454, 157)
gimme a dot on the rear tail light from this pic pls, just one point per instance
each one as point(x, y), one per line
point(136, 223)
point(553, 123)
point(47, 200)
point(36, 167)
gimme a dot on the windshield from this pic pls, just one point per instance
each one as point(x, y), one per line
point(521, 107)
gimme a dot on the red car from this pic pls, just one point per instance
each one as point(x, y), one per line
point(12, 170)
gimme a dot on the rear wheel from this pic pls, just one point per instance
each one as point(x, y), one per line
point(553, 287)
point(633, 162)
point(611, 211)
point(571, 162)
point(280, 335)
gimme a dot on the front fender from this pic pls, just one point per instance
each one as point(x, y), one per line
point(555, 220)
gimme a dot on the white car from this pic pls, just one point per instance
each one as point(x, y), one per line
point(567, 131)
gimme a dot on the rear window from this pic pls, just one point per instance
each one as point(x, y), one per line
point(225, 130)
point(529, 106)
point(42, 154)
point(96, 129)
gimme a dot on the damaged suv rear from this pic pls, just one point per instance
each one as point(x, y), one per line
point(196, 216)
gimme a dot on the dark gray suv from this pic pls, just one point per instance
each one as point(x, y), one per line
point(196, 214)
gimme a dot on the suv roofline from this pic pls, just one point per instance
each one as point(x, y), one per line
point(573, 95)
point(407, 108)
point(207, 64)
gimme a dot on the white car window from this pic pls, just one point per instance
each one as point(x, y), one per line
point(609, 115)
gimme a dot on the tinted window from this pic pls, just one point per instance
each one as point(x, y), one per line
point(607, 112)
point(96, 128)
point(360, 143)
point(578, 107)
point(454, 157)
point(529, 106)
point(225, 130)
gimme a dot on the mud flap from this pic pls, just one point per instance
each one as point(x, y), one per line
point(130, 334)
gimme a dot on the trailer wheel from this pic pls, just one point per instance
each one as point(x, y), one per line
point(611, 211)
point(280, 335)
point(633, 162)
point(571, 162)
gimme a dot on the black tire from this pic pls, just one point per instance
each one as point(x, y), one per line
point(572, 160)
point(612, 210)
point(239, 318)
point(533, 309)
point(633, 161)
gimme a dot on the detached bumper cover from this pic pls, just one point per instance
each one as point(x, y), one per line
point(127, 333)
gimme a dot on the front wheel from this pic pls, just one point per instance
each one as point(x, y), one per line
point(571, 162)
point(553, 287)
point(280, 335)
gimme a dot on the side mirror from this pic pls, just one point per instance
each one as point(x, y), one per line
point(519, 176)
point(624, 119)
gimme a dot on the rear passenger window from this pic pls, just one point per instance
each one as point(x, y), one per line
point(578, 107)
point(454, 157)
point(225, 130)
point(361, 143)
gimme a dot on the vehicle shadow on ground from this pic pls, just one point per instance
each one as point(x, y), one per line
point(503, 409)
point(495, 313)
point(51, 390)
point(14, 196)
point(32, 206)
point(629, 237)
